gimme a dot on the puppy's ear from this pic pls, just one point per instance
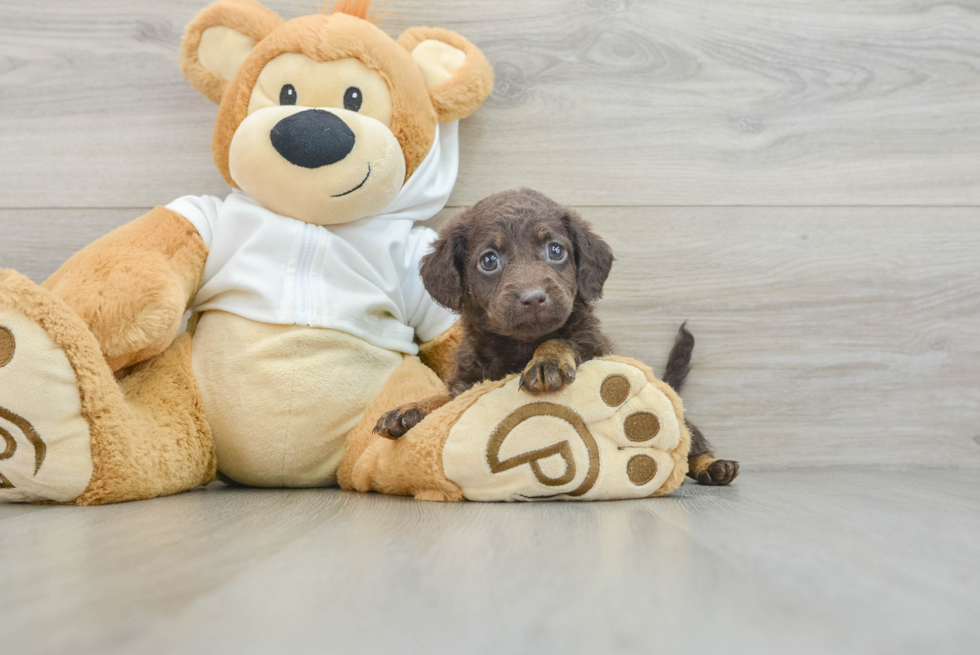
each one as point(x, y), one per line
point(442, 268)
point(593, 257)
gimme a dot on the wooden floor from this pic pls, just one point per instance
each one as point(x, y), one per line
point(807, 561)
point(799, 179)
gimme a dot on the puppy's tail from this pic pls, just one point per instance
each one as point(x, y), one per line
point(679, 361)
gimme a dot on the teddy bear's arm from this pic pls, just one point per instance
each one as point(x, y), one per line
point(132, 286)
point(440, 353)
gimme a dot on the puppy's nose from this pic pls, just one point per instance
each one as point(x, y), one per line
point(312, 138)
point(534, 299)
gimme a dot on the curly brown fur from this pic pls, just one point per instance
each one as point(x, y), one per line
point(679, 360)
point(522, 271)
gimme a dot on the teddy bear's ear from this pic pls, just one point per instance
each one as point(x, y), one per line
point(219, 39)
point(458, 75)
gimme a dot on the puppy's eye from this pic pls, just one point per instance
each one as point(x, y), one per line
point(555, 252)
point(287, 95)
point(353, 99)
point(489, 262)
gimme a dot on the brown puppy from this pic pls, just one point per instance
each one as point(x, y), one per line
point(524, 272)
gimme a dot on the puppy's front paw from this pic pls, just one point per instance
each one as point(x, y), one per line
point(548, 374)
point(397, 422)
point(719, 473)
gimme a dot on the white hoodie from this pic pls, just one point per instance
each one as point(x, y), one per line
point(361, 277)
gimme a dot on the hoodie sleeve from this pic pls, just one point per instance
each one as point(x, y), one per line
point(201, 211)
point(428, 318)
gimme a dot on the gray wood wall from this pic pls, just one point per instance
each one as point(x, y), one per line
point(799, 179)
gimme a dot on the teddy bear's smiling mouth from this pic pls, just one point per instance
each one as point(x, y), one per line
point(357, 187)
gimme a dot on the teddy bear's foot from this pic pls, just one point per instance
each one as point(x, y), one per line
point(69, 432)
point(45, 444)
point(615, 432)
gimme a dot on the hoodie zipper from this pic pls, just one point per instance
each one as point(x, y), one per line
point(303, 289)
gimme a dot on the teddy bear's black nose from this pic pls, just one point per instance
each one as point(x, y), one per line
point(312, 138)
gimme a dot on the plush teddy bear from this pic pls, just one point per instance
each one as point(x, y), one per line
point(308, 308)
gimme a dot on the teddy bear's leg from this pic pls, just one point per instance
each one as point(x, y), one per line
point(132, 286)
point(70, 432)
point(411, 465)
point(616, 432)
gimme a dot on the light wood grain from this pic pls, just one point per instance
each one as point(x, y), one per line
point(749, 102)
point(824, 335)
point(818, 561)
point(36, 242)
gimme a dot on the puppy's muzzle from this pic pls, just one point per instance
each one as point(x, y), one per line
point(312, 138)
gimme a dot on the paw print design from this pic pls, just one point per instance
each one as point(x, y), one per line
point(611, 434)
point(8, 344)
point(44, 447)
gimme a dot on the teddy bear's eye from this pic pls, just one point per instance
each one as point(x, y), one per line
point(353, 99)
point(287, 95)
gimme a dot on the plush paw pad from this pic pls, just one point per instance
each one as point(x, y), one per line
point(609, 435)
point(45, 451)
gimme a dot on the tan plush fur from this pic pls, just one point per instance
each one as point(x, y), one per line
point(440, 353)
point(412, 465)
point(459, 96)
point(244, 16)
point(293, 439)
point(132, 286)
point(416, 108)
point(326, 38)
point(167, 445)
point(373, 463)
point(149, 434)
